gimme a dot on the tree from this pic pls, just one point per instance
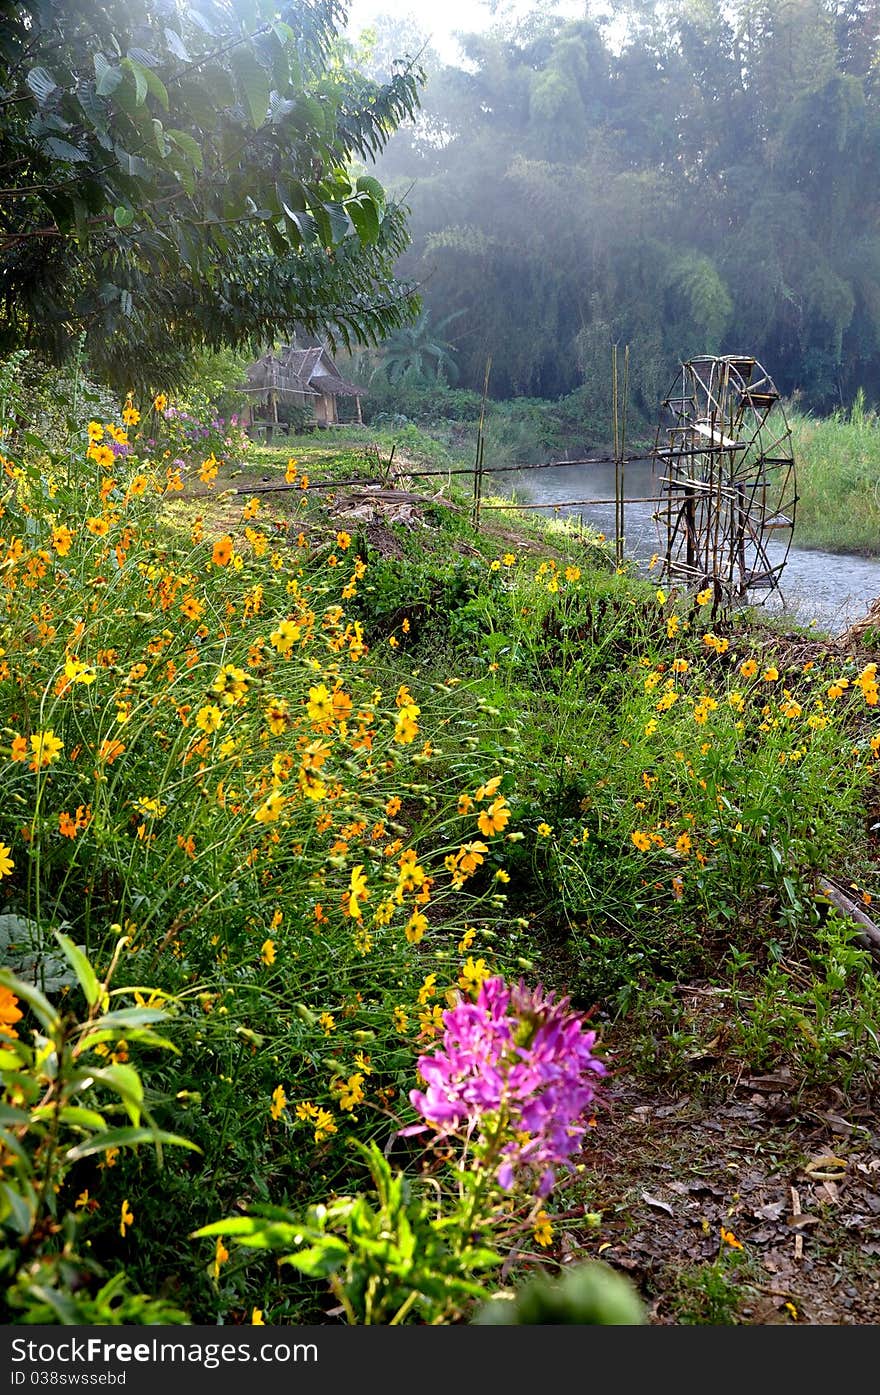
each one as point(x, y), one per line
point(418, 352)
point(173, 175)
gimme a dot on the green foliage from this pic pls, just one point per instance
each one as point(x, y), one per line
point(386, 1255)
point(684, 179)
point(142, 152)
point(591, 1294)
point(66, 1098)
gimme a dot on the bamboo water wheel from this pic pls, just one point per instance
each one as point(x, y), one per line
point(728, 487)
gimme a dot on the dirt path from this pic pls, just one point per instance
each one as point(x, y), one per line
point(669, 1172)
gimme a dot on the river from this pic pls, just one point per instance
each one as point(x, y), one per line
point(831, 589)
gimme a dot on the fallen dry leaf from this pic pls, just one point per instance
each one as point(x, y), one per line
point(826, 1168)
point(657, 1203)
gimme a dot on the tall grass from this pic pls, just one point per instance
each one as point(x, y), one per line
point(838, 463)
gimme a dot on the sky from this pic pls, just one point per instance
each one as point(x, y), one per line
point(440, 19)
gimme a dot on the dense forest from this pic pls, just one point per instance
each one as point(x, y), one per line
point(687, 177)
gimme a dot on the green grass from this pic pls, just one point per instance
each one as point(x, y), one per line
point(838, 471)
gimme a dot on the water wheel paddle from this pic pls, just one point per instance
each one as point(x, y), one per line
point(727, 478)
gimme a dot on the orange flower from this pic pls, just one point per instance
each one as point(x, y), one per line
point(62, 537)
point(495, 818)
point(10, 1012)
point(222, 551)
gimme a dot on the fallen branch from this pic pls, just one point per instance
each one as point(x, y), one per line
point(869, 932)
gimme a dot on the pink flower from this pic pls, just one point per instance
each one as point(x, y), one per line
point(518, 1059)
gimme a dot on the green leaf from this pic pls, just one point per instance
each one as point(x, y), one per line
point(365, 217)
point(188, 145)
point(368, 185)
point(125, 1082)
point(42, 84)
point(140, 82)
point(79, 1117)
point(63, 150)
point(127, 1138)
point(40, 1006)
point(258, 1232)
point(86, 976)
point(156, 86)
point(339, 224)
point(321, 1259)
point(123, 217)
point(108, 76)
point(129, 1017)
point(10, 1115)
point(23, 1214)
point(176, 45)
point(252, 83)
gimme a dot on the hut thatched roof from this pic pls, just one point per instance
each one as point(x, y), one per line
point(296, 371)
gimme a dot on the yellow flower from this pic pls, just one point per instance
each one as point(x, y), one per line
point(400, 1019)
point(267, 953)
point(209, 718)
point(406, 728)
point(357, 891)
point(641, 840)
point(221, 1254)
point(62, 538)
point(542, 1229)
point(102, 455)
point(130, 415)
point(284, 638)
point(95, 430)
point(126, 1218)
point(728, 1238)
point(6, 863)
point(160, 401)
point(704, 596)
point(748, 668)
point(324, 1125)
point(495, 818)
point(328, 1022)
point(320, 705)
point(544, 830)
point(78, 672)
point(257, 1317)
point(46, 748)
point(770, 675)
point(271, 808)
point(415, 927)
point(473, 973)
point(352, 1092)
point(277, 716)
point(279, 1102)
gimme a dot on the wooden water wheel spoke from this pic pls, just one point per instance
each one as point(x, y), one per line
point(729, 478)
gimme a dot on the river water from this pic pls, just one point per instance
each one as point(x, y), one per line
point(830, 589)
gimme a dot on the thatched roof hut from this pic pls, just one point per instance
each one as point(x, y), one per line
point(304, 377)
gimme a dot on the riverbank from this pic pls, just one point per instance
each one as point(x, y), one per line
point(838, 465)
point(296, 766)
